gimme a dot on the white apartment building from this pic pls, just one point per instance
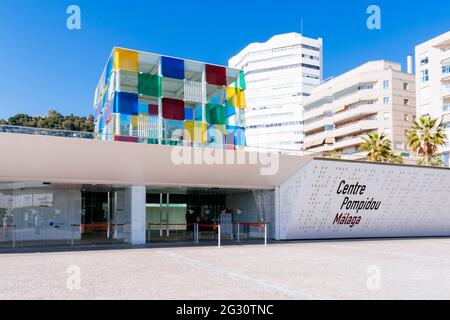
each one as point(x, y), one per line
point(433, 82)
point(279, 73)
point(374, 97)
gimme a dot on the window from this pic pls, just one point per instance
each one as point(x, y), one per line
point(406, 117)
point(424, 76)
point(424, 93)
point(414, 117)
point(446, 107)
point(405, 85)
point(424, 61)
point(386, 84)
point(329, 127)
point(386, 100)
point(405, 102)
point(387, 116)
point(399, 145)
point(446, 69)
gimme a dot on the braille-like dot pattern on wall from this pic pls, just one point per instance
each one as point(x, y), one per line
point(413, 201)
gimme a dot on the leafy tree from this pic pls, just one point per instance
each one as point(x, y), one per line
point(436, 161)
point(53, 120)
point(332, 154)
point(424, 137)
point(397, 159)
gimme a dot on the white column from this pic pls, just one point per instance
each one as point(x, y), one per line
point(277, 217)
point(138, 216)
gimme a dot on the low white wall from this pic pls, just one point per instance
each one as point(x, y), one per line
point(412, 201)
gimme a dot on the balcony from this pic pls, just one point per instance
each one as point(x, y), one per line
point(445, 58)
point(317, 112)
point(355, 127)
point(319, 149)
point(362, 95)
point(355, 112)
point(349, 142)
point(317, 124)
point(445, 79)
point(446, 91)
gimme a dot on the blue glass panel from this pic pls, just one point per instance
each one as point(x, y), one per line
point(198, 113)
point(235, 136)
point(230, 111)
point(108, 70)
point(172, 68)
point(240, 136)
point(126, 103)
point(188, 114)
point(143, 108)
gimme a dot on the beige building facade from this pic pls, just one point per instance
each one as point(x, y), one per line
point(433, 82)
point(374, 97)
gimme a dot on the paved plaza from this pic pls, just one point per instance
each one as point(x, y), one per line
point(358, 269)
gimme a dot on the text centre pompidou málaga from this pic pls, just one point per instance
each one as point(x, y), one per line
point(149, 98)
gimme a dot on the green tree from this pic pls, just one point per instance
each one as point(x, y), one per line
point(425, 137)
point(53, 120)
point(378, 147)
point(332, 154)
point(397, 159)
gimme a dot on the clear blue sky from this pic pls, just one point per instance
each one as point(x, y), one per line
point(44, 65)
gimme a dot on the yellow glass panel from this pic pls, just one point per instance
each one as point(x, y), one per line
point(232, 96)
point(235, 97)
point(242, 103)
point(126, 60)
point(200, 132)
point(135, 121)
point(188, 131)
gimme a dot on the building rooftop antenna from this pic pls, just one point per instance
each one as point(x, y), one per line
point(301, 26)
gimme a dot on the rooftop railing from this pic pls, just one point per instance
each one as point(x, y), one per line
point(46, 132)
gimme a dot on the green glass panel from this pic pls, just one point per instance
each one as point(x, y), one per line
point(152, 141)
point(149, 85)
point(215, 114)
point(242, 80)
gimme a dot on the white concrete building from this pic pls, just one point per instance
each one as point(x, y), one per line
point(374, 97)
point(433, 81)
point(279, 74)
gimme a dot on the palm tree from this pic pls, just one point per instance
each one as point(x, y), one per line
point(425, 136)
point(378, 148)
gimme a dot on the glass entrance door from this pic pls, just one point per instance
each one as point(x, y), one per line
point(98, 223)
point(167, 221)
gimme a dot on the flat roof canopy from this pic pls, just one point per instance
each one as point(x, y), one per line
point(82, 161)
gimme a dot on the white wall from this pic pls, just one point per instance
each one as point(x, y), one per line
point(413, 201)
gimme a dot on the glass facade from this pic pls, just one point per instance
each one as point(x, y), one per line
point(39, 214)
point(172, 213)
point(44, 214)
point(148, 98)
